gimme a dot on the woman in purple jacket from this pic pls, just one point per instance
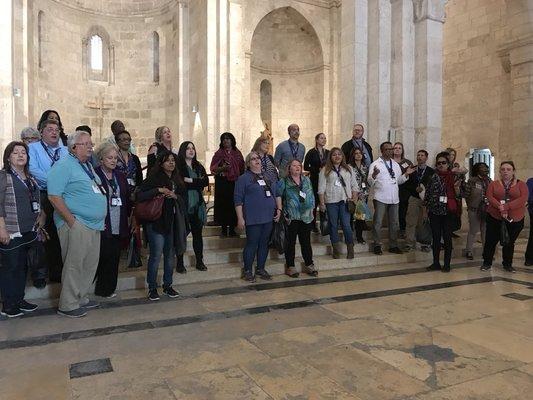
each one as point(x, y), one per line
point(117, 222)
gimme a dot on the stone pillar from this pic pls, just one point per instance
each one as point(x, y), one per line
point(223, 71)
point(6, 75)
point(353, 67)
point(236, 73)
point(211, 125)
point(429, 17)
point(379, 71)
point(403, 74)
point(185, 108)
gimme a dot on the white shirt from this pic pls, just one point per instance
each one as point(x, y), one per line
point(331, 187)
point(385, 187)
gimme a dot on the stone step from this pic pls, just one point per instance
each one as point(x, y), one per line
point(136, 279)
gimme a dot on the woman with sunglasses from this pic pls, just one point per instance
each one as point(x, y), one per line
point(442, 207)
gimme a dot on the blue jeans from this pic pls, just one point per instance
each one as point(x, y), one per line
point(338, 211)
point(257, 238)
point(159, 245)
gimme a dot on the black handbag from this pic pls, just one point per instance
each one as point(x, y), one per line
point(505, 239)
point(324, 223)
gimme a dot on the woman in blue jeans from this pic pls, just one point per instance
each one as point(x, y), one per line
point(166, 233)
point(336, 184)
point(256, 206)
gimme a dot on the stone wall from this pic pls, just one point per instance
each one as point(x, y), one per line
point(476, 86)
point(132, 96)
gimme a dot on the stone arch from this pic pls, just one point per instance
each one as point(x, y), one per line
point(286, 52)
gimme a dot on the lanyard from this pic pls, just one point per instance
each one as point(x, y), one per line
point(27, 183)
point(53, 156)
point(321, 156)
point(113, 184)
point(390, 169)
point(507, 188)
point(86, 166)
point(264, 162)
point(294, 149)
point(420, 175)
point(338, 172)
point(300, 186)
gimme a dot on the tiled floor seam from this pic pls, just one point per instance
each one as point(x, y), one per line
point(264, 390)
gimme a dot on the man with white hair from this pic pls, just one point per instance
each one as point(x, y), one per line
point(80, 204)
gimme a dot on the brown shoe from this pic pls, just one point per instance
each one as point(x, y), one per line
point(292, 272)
point(310, 270)
point(350, 254)
point(336, 250)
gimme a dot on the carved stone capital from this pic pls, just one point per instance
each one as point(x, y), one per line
point(429, 9)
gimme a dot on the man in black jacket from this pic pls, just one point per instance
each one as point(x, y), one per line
point(416, 185)
point(358, 141)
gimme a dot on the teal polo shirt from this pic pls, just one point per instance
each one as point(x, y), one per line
point(68, 179)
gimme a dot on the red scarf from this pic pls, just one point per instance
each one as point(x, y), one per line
point(448, 178)
point(235, 163)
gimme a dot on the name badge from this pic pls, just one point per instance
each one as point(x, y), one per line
point(363, 185)
point(303, 195)
point(502, 201)
point(267, 193)
point(116, 201)
point(478, 186)
point(393, 181)
point(405, 165)
point(35, 206)
point(443, 199)
point(96, 189)
point(187, 180)
point(131, 181)
point(261, 182)
point(338, 183)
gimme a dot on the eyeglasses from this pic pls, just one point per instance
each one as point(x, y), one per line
point(88, 144)
point(254, 158)
point(442, 162)
point(50, 130)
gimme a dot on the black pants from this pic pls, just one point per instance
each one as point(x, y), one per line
point(107, 271)
point(13, 269)
point(441, 227)
point(402, 207)
point(303, 231)
point(37, 261)
point(197, 239)
point(52, 247)
point(359, 226)
point(492, 237)
point(529, 250)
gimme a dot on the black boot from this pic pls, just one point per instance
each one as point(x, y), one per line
point(180, 266)
point(200, 266)
point(231, 232)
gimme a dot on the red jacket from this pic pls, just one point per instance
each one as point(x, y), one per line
point(515, 207)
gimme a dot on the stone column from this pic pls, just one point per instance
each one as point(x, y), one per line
point(403, 74)
point(379, 71)
point(236, 72)
point(211, 125)
point(429, 17)
point(353, 67)
point(223, 71)
point(6, 75)
point(185, 108)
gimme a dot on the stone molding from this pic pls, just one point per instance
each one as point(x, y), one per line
point(429, 9)
point(162, 9)
point(295, 71)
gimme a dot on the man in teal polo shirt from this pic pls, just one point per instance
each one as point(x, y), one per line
point(80, 207)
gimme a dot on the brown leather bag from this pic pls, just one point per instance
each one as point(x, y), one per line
point(150, 210)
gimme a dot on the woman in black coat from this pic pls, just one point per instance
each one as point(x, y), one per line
point(315, 159)
point(196, 180)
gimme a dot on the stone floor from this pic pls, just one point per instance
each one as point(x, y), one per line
point(368, 333)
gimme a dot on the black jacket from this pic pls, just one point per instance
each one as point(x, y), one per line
point(197, 184)
point(414, 180)
point(313, 164)
point(348, 146)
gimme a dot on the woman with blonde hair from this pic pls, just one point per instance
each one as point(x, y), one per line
point(336, 185)
point(163, 141)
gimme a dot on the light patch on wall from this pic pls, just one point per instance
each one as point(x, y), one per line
point(97, 62)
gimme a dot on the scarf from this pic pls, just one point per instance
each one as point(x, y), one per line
point(447, 179)
point(235, 163)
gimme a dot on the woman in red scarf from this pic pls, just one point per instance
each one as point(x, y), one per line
point(507, 204)
point(227, 165)
point(442, 207)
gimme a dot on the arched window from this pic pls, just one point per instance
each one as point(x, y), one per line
point(40, 37)
point(98, 56)
point(155, 57)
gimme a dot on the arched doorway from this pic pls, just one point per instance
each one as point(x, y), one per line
point(286, 53)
